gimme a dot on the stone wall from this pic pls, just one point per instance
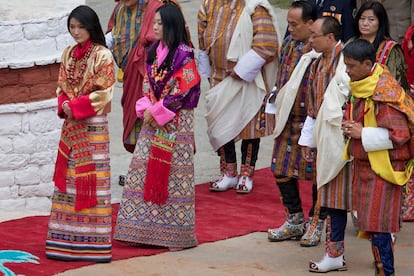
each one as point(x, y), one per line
point(28, 141)
point(34, 32)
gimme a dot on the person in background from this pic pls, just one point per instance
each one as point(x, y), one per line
point(160, 185)
point(126, 21)
point(379, 140)
point(401, 14)
point(240, 63)
point(373, 25)
point(112, 17)
point(407, 47)
point(82, 197)
point(288, 165)
point(328, 92)
point(126, 25)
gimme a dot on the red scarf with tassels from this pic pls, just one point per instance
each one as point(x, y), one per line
point(158, 168)
point(74, 138)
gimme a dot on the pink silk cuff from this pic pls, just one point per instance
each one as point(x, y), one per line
point(161, 114)
point(141, 105)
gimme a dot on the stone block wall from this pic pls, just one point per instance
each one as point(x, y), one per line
point(28, 141)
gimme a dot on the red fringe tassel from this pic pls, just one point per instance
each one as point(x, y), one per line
point(158, 171)
point(85, 192)
point(61, 167)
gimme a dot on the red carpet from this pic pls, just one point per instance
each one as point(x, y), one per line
point(218, 216)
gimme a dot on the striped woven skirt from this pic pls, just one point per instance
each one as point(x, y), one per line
point(171, 224)
point(377, 202)
point(337, 194)
point(84, 235)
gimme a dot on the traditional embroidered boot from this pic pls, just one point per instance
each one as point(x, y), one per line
point(328, 264)
point(313, 233)
point(293, 228)
point(227, 181)
point(333, 260)
point(245, 184)
point(383, 251)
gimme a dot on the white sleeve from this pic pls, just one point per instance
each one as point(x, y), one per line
point(375, 138)
point(249, 65)
point(204, 64)
point(306, 135)
point(109, 40)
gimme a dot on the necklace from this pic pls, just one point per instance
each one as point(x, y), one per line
point(156, 74)
point(73, 79)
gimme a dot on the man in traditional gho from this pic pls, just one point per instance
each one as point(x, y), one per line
point(291, 109)
point(379, 139)
point(328, 84)
point(238, 48)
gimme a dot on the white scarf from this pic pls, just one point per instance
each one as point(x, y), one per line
point(287, 94)
point(232, 104)
point(327, 131)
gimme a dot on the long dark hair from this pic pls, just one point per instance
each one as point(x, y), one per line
point(383, 32)
point(90, 20)
point(174, 32)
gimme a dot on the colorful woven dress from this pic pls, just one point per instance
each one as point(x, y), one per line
point(157, 205)
point(80, 221)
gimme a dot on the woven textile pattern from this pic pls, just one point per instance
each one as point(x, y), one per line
point(172, 224)
point(84, 235)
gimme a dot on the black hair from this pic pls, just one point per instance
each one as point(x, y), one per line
point(383, 22)
point(360, 50)
point(90, 20)
point(309, 11)
point(174, 32)
point(331, 25)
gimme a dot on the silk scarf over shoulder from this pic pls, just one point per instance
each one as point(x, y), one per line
point(287, 94)
point(327, 131)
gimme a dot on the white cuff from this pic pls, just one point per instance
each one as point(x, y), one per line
point(306, 135)
point(375, 138)
point(109, 40)
point(204, 64)
point(249, 66)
